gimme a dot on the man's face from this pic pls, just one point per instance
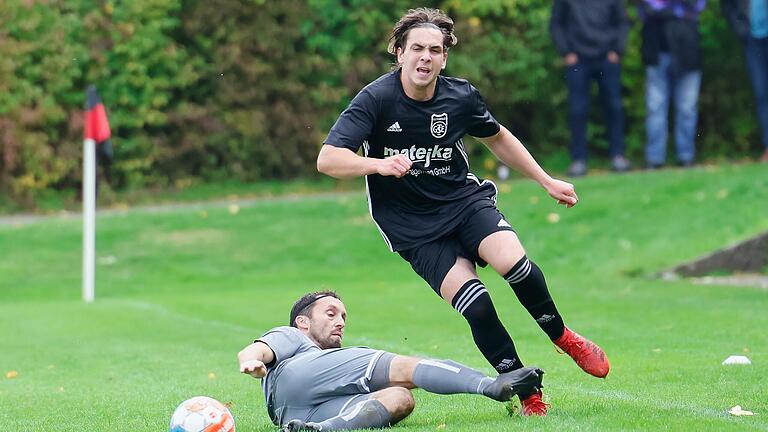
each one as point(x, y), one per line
point(422, 58)
point(326, 323)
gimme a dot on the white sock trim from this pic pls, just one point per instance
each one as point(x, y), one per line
point(521, 273)
point(440, 365)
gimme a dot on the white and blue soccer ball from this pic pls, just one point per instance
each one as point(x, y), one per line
point(202, 414)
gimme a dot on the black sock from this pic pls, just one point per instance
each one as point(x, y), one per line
point(474, 303)
point(529, 285)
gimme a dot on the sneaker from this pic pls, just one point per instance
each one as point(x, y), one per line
point(578, 168)
point(524, 380)
point(620, 164)
point(533, 405)
point(686, 163)
point(298, 425)
point(584, 352)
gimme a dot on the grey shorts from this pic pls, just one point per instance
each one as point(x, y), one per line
point(320, 385)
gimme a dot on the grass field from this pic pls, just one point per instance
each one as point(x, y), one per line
point(179, 292)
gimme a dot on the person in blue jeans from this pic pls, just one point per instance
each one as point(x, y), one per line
point(673, 74)
point(591, 36)
point(749, 20)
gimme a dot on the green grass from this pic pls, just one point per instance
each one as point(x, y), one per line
point(180, 292)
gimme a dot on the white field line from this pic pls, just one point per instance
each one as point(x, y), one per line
point(162, 311)
point(654, 403)
point(25, 219)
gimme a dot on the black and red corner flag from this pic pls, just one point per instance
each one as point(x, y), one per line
point(97, 126)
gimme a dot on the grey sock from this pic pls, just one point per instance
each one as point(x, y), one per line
point(368, 414)
point(449, 377)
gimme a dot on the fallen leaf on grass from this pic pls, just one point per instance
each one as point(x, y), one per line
point(11, 374)
point(553, 218)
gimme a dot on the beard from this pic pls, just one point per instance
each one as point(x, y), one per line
point(330, 343)
point(326, 341)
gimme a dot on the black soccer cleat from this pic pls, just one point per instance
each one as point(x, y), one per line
point(298, 425)
point(525, 381)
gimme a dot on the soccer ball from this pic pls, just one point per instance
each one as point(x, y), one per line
point(202, 414)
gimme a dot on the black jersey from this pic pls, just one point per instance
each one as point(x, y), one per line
point(422, 205)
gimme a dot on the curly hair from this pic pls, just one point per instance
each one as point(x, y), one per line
point(421, 17)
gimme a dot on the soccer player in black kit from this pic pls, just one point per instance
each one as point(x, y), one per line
point(430, 208)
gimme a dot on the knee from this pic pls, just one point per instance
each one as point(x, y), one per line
point(407, 402)
point(401, 403)
point(687, 110)
point(615, 107)
point(579, 109)
point(655, 102)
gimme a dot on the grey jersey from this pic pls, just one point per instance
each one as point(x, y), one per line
point(288, 343)
point(309, 383)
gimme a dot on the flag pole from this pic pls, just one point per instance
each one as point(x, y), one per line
point(89, 219)
point(96, 132)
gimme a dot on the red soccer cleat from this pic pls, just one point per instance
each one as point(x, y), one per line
point(533, 405)
point(584, 352)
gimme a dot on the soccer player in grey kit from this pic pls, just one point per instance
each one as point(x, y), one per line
point(311, 383)
point(430, 208)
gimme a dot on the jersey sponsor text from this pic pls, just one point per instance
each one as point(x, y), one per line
point(433, 172)
point(422, 154)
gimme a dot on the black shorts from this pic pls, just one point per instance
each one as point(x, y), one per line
point(434, 259)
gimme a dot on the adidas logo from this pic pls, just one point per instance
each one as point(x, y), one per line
point(545, 319)
point(504, 365)
point(395, 127)
point(503, 223)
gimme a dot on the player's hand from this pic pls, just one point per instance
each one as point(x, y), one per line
point(397, 165)
point(571, 59)
point(613, 57)
point(562, 192)
point(254, 368)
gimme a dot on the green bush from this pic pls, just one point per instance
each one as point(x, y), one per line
point(247, 89)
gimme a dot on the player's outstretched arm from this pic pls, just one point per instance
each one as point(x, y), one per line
point(343, 163)
point(253, 359)
point(513, 153)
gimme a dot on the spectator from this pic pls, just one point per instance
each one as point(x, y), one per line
point(591, 35)
point(673, 71)
point(749, 20)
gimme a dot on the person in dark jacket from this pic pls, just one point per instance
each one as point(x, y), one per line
point(672, 71)
point(591, 35)
point(749, 20)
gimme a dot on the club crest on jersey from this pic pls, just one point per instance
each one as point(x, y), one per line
point(439, 125)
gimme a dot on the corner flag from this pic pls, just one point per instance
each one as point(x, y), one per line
point(96, 131)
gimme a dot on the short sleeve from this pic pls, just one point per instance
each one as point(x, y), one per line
point(481, 121)
point(355, 124)
point(285, 342)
